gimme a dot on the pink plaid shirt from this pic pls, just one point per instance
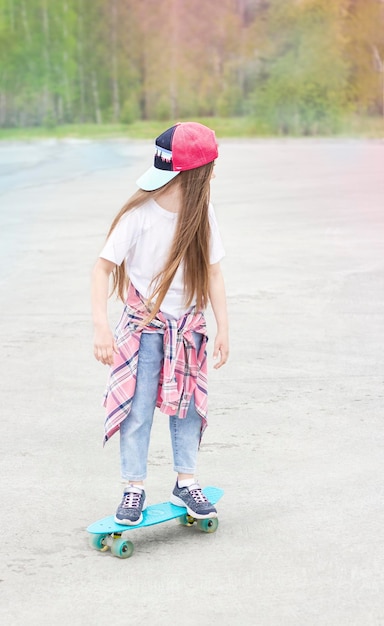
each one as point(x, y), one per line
point(184, 372)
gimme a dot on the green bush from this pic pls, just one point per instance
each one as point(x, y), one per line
point(130, 111)
point(302, 85)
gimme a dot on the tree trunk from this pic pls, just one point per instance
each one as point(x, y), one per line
point(67, 94)
point(96, 100)
point(379, 64)
point(47, 112)
point(25, 23)
point(11, 15)
point(174, 57)
point(115, 77)
point(80, 60)
point(3, 109)
point(242, 36)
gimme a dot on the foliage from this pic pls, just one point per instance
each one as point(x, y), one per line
point(302, 87)
point(225, 127)
point(294, 66)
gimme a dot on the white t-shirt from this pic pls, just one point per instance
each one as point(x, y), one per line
point(143, 237)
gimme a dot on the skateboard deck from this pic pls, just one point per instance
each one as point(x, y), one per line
point(106, 533)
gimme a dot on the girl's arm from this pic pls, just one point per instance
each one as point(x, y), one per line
point(104, 344)
point(219, 307)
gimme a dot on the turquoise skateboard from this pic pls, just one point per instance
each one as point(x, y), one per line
point(106, 533)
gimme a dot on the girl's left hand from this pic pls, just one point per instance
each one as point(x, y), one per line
point(221, 349)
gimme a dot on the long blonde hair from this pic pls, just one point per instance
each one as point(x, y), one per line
point(190, 243)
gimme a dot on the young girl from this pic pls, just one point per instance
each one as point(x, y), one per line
point(163, 250)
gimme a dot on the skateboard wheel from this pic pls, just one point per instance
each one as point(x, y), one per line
point(186, 520)
point(208, 525)
point(122, 548)
point(97, 542)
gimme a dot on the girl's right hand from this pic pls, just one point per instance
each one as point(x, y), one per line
point(104, 346)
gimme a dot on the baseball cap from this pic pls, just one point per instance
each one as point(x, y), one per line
point(184, 146)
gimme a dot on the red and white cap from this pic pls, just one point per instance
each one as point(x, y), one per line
point(185, 146)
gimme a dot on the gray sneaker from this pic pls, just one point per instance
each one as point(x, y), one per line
point(193, 499)
point(129, 511)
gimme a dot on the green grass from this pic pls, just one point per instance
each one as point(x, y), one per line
point(363, 126)
point(241, 127)
point(224, 127)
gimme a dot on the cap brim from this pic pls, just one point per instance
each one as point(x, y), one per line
point(154, 178)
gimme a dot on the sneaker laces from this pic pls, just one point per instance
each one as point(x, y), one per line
point(197, 494)
point(131, 500)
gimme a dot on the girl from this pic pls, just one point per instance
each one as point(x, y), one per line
point(163, 250)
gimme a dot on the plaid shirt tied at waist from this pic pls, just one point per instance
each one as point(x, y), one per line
point(184, 372)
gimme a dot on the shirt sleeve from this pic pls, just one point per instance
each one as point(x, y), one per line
point(122, 239)
point(216, 252)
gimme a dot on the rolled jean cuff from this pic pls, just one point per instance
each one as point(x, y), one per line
point(184, 470)
point(126, 481)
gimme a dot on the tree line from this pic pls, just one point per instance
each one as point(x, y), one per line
point(294, 65)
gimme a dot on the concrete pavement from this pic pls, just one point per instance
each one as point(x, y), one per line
point(296, 417)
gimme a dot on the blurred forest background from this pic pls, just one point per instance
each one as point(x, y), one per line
point(290, 66)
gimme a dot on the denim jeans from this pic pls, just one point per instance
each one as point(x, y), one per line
point(135, 430)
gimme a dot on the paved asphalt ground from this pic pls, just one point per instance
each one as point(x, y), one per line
point(296, 417)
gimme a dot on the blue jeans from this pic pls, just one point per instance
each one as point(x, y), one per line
point(135, 430)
